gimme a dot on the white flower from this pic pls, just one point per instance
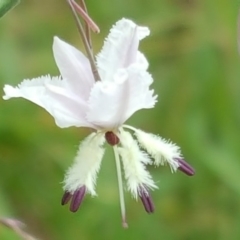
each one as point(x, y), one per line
point(75, 99)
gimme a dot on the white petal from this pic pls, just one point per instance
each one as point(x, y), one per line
point(161, 150)
point(105, 104)
point(112, 103)
point(139, 94)
point(141, 61)
point(74, 67)
point(120, 48)
point(134, 161)
point(54, 96)
point(86, 165)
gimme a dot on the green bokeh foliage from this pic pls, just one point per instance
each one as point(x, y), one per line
point(194, 61)
point(7, 5)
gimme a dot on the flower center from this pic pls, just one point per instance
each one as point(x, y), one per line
point(111, 138)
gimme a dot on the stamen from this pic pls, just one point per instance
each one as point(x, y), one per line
point(146, 200)
point(77, 199)
point(111, 138)
point(185, 167)
point(66, 198)
point(120, 187)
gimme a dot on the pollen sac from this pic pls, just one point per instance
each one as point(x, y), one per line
point(66, 198)
point(111, 138)
point(76, 198)
point(146, 200)
point(185, 167)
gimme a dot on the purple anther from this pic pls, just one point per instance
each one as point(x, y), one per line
point(111, 138)
point(66, 198)
point(146, 200)
point(185, 167)
point(77, 199)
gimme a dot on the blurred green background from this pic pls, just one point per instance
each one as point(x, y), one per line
point(194, 61)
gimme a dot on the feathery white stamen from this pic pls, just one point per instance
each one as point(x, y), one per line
point(134, 161)
point(160, 149)
point(86, 164)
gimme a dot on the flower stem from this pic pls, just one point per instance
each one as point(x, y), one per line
point(85, 42)
point(87, 24)
point(120, 187)
point(82, 10)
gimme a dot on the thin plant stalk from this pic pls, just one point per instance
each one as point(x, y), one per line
point(82, 10)
point(120, 187)
point(87, 28)
point(85, 42)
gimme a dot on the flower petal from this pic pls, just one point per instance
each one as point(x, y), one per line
point(161, 150)
point(112, 103)
point(105, 104)
point(54, 96)
point(120, 48)
point(139, 94)
point(74, 67)
point(86, 165)
point(134, 161)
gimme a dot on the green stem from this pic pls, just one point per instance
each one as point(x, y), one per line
point(120, 187)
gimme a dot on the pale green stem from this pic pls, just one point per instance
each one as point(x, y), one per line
point(120, 187)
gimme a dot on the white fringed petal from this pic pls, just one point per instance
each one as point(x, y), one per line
point(68, 106)
point(161, 150)
point(105, 102)
point(74, 67)
point(134, 161)
point(86, 165)
point(141, 61)
point(54, 96)
point(112, 103)
point(139, 94)
point(120, 49)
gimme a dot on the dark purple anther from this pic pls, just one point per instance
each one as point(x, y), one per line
point(185, 167)
point(146, 200)
point(66, 198)
point(77, 199)
point(111, 138)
